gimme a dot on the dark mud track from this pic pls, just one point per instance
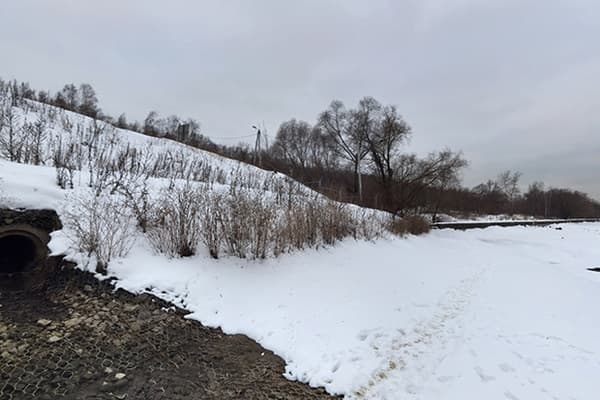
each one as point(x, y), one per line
point(79, 339)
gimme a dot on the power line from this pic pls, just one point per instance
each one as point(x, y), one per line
point(230, 137)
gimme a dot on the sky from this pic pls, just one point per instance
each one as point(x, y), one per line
point(513, 84)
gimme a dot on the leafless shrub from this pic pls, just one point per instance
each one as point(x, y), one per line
point(174, 227)
point(100, 226)
point(210, 219)
point(12, 136)
point(64, 163)
point(235, 222)
point(336, 222)
point(412, 224)
point(37, 134)
point(129, 175)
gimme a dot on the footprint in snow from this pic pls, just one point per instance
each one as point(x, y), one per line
point(484, 378)
point(445, 379)
point(506, 368)
point(412, 389)
point(335, 367)
point(510, 396)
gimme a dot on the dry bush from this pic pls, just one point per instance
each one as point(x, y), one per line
point(249, 223)
point(128, 175)
point(412, 224)
point(174, 222)
point(64, 159)
point(246, 222)
point(336, 222)
point(297, 227)
point(371, 224)
point(210, 219)
point(100, 226)
point(315, 221)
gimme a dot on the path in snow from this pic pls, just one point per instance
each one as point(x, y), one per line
point(413, 357)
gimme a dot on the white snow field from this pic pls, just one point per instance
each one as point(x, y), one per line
point(497, 313)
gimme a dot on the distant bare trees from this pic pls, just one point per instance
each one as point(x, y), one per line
point(293, 143)
point(367, 140)
point(438, 171)
point(303, 146)
point(500, 195)
point(508, 183)
point(80, 99)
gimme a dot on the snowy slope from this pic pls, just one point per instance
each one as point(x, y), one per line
point(64, 129)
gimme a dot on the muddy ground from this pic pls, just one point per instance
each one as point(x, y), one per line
point(79, 339)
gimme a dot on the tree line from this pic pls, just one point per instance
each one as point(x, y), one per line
point(351, 154)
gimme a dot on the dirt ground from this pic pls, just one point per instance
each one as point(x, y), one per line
point(79, 339)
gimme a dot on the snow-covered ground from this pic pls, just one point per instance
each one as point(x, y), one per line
point(498, 313)
point(446, 218)
point(495, 313)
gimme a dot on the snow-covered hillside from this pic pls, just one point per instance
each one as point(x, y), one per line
point(41, 134)
point(498, 313)
point(122, 177)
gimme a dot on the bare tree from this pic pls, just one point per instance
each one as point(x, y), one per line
point(414, 176)
point(448, 175)
point(150, 124)
point(364, 122)
point(384, 143)
point(293, 143)
point(536, 199)
point(89, 101)
point(70, 95)
point(508, 182)
point(343, 128)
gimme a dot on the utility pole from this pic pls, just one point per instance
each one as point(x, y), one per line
point(257, 147)
point(359, 177)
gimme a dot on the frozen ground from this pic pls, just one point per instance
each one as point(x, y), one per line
point(498, 313)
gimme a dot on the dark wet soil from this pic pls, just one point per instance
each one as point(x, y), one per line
point(79, 339)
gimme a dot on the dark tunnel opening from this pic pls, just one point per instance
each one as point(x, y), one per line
point(17, 253)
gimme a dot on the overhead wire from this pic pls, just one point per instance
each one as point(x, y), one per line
point(230, 137)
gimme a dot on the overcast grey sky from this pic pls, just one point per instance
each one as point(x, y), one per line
point(513, 84)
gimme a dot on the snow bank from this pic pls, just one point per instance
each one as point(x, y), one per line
point(490, 313)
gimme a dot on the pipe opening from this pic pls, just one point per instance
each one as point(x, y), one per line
point(18, 253)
